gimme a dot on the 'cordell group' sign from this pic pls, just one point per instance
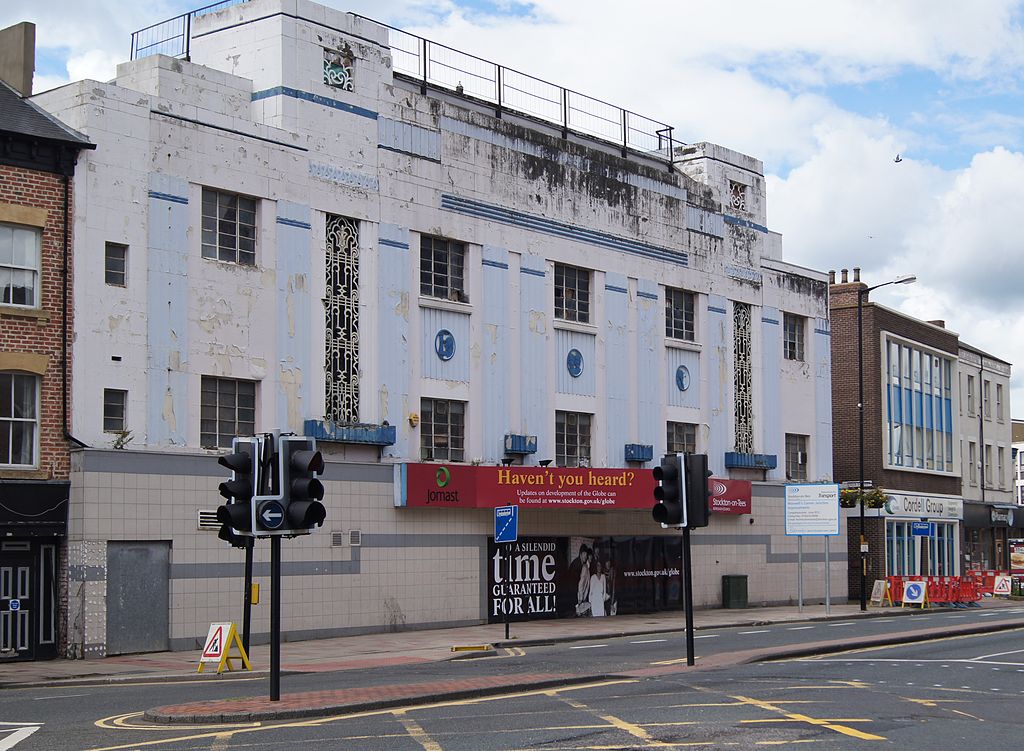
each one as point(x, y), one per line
point(462, 486)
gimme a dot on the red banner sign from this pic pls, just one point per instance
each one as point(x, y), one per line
point(462, 486)
point(730, 496)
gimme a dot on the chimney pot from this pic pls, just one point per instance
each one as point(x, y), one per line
point(832, 277)
point(856, 273)
point(845, 275)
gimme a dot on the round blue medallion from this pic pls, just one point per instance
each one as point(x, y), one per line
point(682, 378)
point(574, 363)
point(444, 345)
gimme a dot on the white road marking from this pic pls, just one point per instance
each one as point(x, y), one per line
point(799, 628)
point(589, 646)
point(648, 641)
point(18, 735)
point(762, 631)
point(846, 623)
point(706, 636)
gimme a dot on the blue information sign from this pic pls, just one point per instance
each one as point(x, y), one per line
point(506, 523)
point(922, 529)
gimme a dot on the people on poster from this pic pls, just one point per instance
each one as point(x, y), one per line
point(598, 591)
point(583, 581)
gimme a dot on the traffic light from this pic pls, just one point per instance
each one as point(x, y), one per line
point(697, 497)
point(301, 491)
point(236, 516)
point(670, 509)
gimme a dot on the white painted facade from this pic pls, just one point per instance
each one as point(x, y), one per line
point(251, 114)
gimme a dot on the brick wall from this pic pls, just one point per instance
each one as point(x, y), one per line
point(39, 332)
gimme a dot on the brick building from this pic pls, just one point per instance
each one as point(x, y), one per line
point(37, 160)
point(918, 401)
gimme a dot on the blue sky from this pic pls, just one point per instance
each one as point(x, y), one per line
point(825, 94)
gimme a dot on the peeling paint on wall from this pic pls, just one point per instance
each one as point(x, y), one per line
point(538, 322)
point(168, 412)
point(290, 383)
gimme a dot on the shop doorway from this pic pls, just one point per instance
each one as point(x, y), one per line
point(28, 600)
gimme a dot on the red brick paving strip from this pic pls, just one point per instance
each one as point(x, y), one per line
point(338, 701)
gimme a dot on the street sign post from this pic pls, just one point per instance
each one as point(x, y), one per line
point(812, 509)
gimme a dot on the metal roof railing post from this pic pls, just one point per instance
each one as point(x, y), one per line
point(188, 36)
point(497, 111)
point(565, 113)
point(426, 62)
point(624, 114)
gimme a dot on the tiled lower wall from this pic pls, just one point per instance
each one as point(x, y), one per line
point(415, 568)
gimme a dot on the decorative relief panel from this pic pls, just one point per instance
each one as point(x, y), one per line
point(742, 378)
point(341, 364)
point(338, 68)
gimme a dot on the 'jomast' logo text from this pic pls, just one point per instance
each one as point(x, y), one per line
point(443, 477)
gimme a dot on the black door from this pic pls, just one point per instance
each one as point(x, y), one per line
point(28, 600)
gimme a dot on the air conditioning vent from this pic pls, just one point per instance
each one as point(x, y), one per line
point(207, 519)
point(353, 538)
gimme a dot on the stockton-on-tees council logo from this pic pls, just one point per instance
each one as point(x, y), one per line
point(442, 478)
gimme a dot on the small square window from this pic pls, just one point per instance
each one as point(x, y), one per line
point(229, 227)
point(442, 269)
point(115, 265)
point(572, 439)
point(793, 336)
point(115, 403)
point(572, 293)
point(682, 438)
point(442, 430)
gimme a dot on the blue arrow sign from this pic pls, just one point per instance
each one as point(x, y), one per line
point(506, 523)
point(271, 515)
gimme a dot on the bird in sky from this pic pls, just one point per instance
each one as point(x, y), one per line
point(898, 159)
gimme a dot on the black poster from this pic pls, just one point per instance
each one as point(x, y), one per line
point(582, 577)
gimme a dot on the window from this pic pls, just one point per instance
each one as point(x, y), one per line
point(682, 438)
point(442, 430)
point(19, 265)
point(999, 402)
point(796, 457)
point(19, 419)
point(986, 398)
point(115, 402)
point(970, 395)
point(972, 460)
point(679, 321)
point(986, 480)
point(792, 336)
point(115, 265)
point(227, 410)
point(442, 269)
point(1001, 467)
point(229, 227)
point(572, 293)
point(572, 439)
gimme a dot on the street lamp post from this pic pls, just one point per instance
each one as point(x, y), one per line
point(861, 294)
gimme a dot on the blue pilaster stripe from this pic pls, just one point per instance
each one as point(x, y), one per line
point(647, 295)
point(712, 309)
point(294, 223)
point(744, 223)
point(495, 264)
point(315, 99)
point(559, 229)
point(168, 197)
point(394, 244)
point(532, 272)
point(774, 321)
point(613, 288)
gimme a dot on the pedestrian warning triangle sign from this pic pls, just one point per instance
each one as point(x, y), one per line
point(220, 642)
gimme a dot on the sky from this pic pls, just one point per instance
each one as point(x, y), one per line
point(825, 94)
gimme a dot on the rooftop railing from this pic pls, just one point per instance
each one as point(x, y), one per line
point(433, 64)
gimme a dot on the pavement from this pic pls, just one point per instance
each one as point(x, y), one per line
point(433, 645)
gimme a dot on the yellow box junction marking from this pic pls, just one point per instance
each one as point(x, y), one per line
point(219, 642)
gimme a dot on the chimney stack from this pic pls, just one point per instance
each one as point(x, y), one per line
point(18, 56)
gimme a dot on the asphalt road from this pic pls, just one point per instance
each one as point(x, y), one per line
point(935, 695)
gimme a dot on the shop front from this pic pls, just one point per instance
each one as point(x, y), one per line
point(33, 524)
point(988, 530)
point(922, 534)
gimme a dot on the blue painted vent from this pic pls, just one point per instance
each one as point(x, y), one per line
point(639, 452)
point(736, 460)
point(371, 435)
point(520, 444)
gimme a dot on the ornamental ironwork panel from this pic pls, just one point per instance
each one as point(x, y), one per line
point(338, 68)
point(742, 378)
point(341, 364)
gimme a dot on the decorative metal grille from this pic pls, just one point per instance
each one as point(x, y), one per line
point(738, 195)
point(342, 318)
point(338, 68)
point(742, 378)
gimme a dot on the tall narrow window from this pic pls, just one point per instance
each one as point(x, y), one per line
point(19, 419)
point(793, 336)
point(742, 379)
point(115, 402)
point(115, 265)
point(342, 317)
point(1001, 467)
point(229, 227)
point(443, 269)
point(572, 293)
point(679, 314)
point(682, 438)
point(999, 402)
point(227, 409)
point(19, 265)
point(572, 439)
point(796, 457)
point(970, 396)
point(986, 398)
point(442, 430)
point(972, 461)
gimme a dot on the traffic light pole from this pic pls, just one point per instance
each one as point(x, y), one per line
point(688, 596)
point(247, 598)
point(275, 618)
